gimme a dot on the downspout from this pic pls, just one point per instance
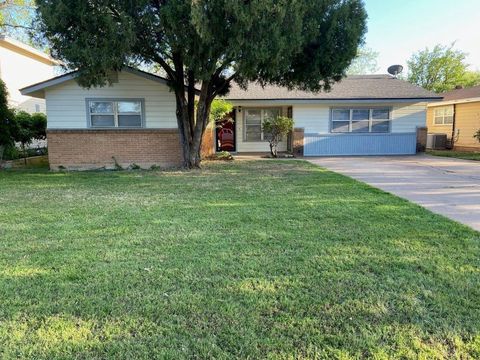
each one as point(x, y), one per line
point(452, 142)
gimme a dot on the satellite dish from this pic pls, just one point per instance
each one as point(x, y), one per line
point(395, 70)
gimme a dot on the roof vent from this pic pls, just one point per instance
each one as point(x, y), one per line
point(395, 70)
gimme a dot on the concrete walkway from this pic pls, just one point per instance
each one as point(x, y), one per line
point(447, 186)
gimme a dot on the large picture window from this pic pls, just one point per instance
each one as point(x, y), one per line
point(115, 113)
point(254, 119)
point(443, 115)
point(361, 120)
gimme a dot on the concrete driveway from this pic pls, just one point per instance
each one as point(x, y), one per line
point(446, 186)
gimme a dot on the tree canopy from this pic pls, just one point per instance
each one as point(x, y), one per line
point(364, 63)
point(299, 44)
point(441, 69)
point(16, 18)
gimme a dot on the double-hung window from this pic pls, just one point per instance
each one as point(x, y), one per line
point(443, 115)
point(254, 119)
point(115, 113)
point(361, 120)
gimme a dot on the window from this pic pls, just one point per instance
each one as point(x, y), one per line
point(254, 119)
point(115, 113)
point(361, 120)
point(37, 108)
point(443, 115)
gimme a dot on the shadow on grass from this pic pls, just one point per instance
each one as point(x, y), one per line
point(238, 260)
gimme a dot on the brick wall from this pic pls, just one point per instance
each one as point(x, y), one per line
point(91, 149)
point(421, 139)
point(298, 135)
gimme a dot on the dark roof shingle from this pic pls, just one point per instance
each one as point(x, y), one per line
point(460, 94)
point(351, 88)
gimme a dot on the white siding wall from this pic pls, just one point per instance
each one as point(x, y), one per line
point(313, 118)
point(18, 70)
point(66, 107)
point(248, 146)
point(406, 118)
point(316, 118)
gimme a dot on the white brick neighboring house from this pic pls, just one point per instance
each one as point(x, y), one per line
point(21, 65)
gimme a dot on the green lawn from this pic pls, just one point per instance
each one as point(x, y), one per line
point(265, 259)
point(456, 154)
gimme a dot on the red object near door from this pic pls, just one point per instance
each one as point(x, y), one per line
point(226, 134)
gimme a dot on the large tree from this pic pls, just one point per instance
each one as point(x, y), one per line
point(441, 69)
point(206, 44)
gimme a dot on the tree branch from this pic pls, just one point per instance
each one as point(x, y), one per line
point(170, 72)
point(16, 26)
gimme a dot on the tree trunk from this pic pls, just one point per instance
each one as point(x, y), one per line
point(190, 127)
point(24, 154)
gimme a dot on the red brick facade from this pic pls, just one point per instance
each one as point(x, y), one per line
point(298, 136)
point(93, 149)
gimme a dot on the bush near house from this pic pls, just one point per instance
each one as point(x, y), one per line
point(275, 129)
point(477, 135)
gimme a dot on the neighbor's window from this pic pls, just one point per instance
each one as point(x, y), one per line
point(115, 113)
point(254, 119)
point(443, 115)
point(362, 120)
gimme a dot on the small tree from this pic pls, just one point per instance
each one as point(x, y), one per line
point(39, 126)
point(23, 133)
point(7, 121)
point(276, 128)
point(29, 128)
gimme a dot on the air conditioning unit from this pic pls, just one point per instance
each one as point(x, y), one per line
point(437, 141)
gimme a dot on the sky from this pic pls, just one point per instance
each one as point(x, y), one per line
point(398, 28)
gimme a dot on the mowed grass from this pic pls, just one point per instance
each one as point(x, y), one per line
point(250, 259)
point(456, 154)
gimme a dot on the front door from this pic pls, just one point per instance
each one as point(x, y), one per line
point(225, 134)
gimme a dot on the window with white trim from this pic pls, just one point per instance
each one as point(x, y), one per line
point(360, 120)
point(253, 123)
point(115, 113)
point(443, 115)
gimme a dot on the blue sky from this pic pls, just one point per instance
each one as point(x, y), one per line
point(397, 28)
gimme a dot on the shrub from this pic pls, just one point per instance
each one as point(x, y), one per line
point(7, 121)
point(39, 126)
point(220, 109)
point(274, 129)
point(477, 135)
point(28, 128)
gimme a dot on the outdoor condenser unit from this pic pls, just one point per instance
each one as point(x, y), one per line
point(437, 141)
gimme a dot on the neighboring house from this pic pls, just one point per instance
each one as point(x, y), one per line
point(21, 65)
point(458, 115)
point(133, 121)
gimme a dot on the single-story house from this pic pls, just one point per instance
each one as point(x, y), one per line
point(458, 117)
point(133, 121)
